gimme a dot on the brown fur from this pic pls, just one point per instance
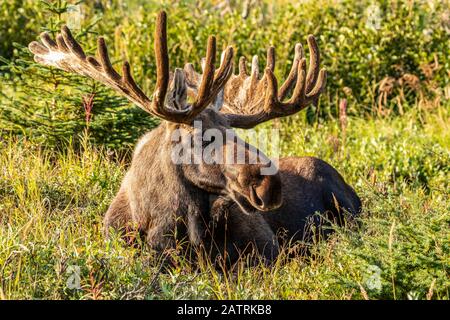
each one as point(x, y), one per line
point(231, 234)
point(158, 197)
point(309, 186)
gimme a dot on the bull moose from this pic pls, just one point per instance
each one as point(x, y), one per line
point(158, 195)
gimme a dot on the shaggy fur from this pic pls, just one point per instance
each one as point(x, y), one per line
point(309, 186)
point(158, 197)
point(199, 201)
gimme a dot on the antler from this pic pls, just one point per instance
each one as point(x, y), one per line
point(168, 103)
point(250, 100)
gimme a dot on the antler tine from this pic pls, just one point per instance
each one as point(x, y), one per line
point(271, 96)
point(270, 63)
point(243, 67)
point(255, 68)
point(250, 100)
point(61, 44)
point(162, 67)
point(299, 94)
point(292, 77)
point(224, 72)
point(105, 62)
point(319, 85)
point(48, 41)
point(70, 42)
point(208, 75)
point(314, 61)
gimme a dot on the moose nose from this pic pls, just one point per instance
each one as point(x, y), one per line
point(266, 196)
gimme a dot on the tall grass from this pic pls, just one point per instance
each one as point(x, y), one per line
point(52, 203)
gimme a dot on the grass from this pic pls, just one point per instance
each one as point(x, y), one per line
point(395, 151)
point(52, 204)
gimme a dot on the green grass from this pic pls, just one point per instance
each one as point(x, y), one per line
point(52, 204)
point(395, 150)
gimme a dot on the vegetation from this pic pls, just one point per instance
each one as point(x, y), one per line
point(384, 57)
point(52, 206)
point(391, 142)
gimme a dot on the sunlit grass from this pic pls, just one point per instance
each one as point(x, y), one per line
point(52, 204)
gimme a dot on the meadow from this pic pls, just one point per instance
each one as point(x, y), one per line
point(383, 123)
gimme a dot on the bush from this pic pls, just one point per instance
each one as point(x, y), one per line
point(19, 20)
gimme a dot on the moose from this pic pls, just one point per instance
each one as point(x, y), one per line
point(226, 205)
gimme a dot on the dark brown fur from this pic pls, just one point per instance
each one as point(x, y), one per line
point(310, 187)
point(158, 197)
